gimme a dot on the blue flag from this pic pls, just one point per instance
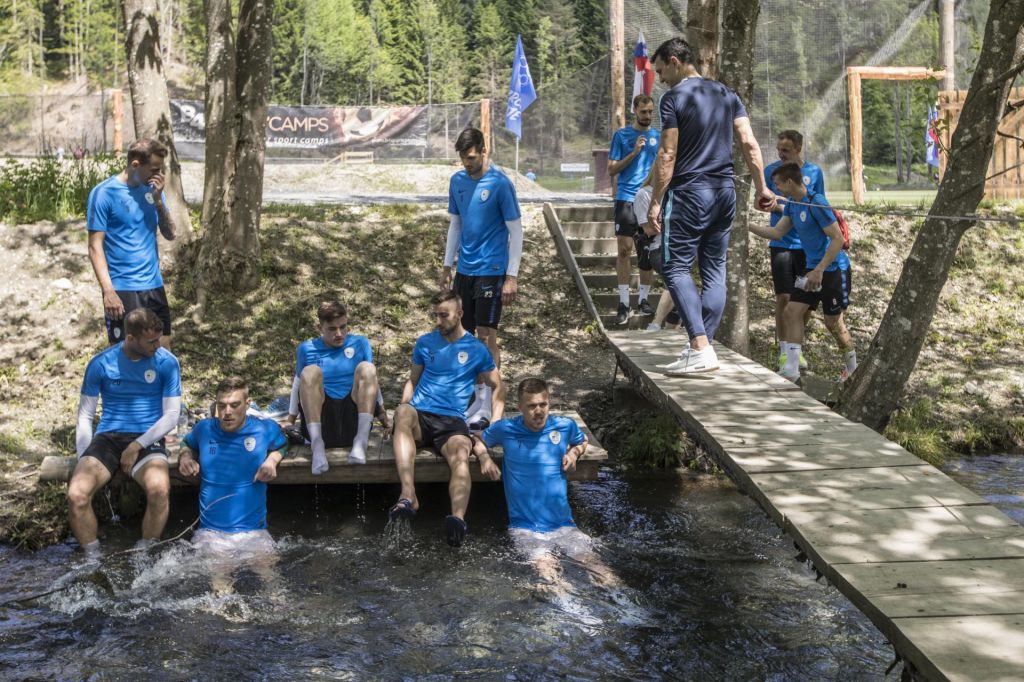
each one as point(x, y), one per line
point(931, 139)
point(520, 92)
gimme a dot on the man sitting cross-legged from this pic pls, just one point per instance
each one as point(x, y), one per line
point(335, 389)
point(446, 365)
point(139, 384)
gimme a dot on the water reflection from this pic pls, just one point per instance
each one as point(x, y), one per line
point(709, 590)
point(997, 478)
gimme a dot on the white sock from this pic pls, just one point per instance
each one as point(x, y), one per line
point(357, 455)
point(851, 361)
point(793, 359)
point(316, 442)
point(624, 294)
point(482, 403)
point(645, 290)
point(783, 348)
point(91, 549)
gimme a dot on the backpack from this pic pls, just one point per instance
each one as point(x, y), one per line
point(844, 227)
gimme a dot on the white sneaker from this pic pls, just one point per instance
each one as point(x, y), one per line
point(696, 362)
point(652, 327)
point(680, 362)
point(795, 378)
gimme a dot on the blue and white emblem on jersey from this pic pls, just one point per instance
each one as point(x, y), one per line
point(149, 197)
point(555, 437)
point(150, 376)
point(484, 193)
point(349, 352)
point(249, 443)
point(807, 180)
point(803, 216)
point(463, 356)
point(117, 332)
point(652, 140)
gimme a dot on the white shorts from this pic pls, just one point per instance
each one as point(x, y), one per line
point(237, 545)
point(569, 540)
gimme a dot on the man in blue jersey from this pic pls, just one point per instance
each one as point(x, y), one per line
point(139, 383)
point(335, 389)
point(699, 118)
point(538, 451)
point(446, 364)
point(826, 276)
point(630, 159)
point(122, 217)
point(237, 455)
point(486, 233)
point(787, 256)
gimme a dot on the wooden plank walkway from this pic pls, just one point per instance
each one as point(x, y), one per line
point(935, 567)
point(379, 468)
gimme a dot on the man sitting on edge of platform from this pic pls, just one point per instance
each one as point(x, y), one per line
point(335, 389)
point(538, 451)
point(447, 364)
point(139, 383)
point(237, 455)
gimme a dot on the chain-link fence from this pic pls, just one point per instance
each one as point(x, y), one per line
point(31, 125)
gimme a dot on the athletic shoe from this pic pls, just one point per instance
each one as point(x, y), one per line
point(652, 327)
point(782, 361)
point(478, 424)
point(623, 315)
point(645, 308)
point(696, 362)
point(795, 378)
point(454, 530)
point(680, 362)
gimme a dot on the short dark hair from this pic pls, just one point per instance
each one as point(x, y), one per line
point(232, 383)
point(641, 99)
point(145, 147)
point(788, 171)
point(793, 136)
point(531, 386)
point(140, 321)
point(331, 310)
point(468, 139)
point(445, 296)
point(674, 47)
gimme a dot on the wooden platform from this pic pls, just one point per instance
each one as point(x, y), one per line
point(379, 467)
point(937, 569)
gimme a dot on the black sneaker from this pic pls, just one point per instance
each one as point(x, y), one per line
point(645, 307)
point(623, 315)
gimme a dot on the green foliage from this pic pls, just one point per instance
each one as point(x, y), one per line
point(916, 429)
point(45, 189)
point(656, 443)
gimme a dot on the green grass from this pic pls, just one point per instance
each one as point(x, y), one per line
point(45, 189)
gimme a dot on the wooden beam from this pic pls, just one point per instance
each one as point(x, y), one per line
point(485, 123)
point(856, 135)
point(617, 38)
point(118, 111)
point(896, 73)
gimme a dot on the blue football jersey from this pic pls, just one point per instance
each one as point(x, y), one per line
point(131, 391)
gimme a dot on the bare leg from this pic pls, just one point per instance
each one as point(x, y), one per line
point(90, 475)
point(837, 327)
point(407, 430)
point(155, 481)
point(311, 398)
point(489, 336)
point(456, 451)
point(646, 277)
point(622, 267)
point(665, 305)
point(364, 387)
point(550, 571)
point(780, 324)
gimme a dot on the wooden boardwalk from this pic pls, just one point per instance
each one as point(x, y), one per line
point(379, 468)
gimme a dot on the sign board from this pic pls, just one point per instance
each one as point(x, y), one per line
point(575, 167)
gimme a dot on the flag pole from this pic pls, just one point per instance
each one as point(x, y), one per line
point(516, 185)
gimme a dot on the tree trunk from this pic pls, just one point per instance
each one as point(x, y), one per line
point(151, 108)
point(872, 393)
point(737, 71)
point(702, 34)
point(898, 125)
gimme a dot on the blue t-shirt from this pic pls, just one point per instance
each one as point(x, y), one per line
point(703, 111)
point(535, 485)
point(337, 364)
point(814, 181)
point(809, 222)
point(632, 177)
point(449, 372)
point(129, 218)
point(132, 391)
point(229, 499)
point(483, 205)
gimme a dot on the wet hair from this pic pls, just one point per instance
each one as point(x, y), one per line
point(469, 138)
point(331, 310)
point(641, 99)
point(531, 386)
point(232, 383)
point(141, 321)
point(145, 147)
point(674, 47)
point(788, 171)
point(793, 136)
point(445, 296)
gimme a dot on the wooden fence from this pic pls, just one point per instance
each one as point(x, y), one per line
point(1005, 175)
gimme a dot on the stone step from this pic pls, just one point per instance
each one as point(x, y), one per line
point(573, 214)
point(590, 230)
point(593, 246)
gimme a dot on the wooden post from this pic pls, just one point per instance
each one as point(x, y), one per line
point(948, 36)
point(617, 38)
point(485, 123)
point(118, 110)
point(856, 136)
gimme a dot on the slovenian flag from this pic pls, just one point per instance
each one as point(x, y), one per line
point(931, 138)
point(643, 81)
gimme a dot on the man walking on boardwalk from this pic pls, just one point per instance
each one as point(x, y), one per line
point(446, 363)
point(486, 233)
point(699, 118)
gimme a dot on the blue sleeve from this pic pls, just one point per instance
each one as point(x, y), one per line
point(818, 184)
point(575, 434)
point(453, 208)
point(419, 353)
point(171, 371)
point(192, 439)
point(93, 379)
point(822, 212)
point(485, 362)
point(739, 111)
point(367, 350)
point(615, 152)
point(300, 358)
point(768, 179)
point(494, 434)
point(508, 202)
point(668, 112)
point(276, 440)
point(96, 210)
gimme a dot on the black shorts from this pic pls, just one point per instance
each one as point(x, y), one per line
point(834, 294)
point(108, 446)
point(625, 219)
point(481, 300)
point(436, 429)
point(339, 421)
point(787, 265)
point(154, 299)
